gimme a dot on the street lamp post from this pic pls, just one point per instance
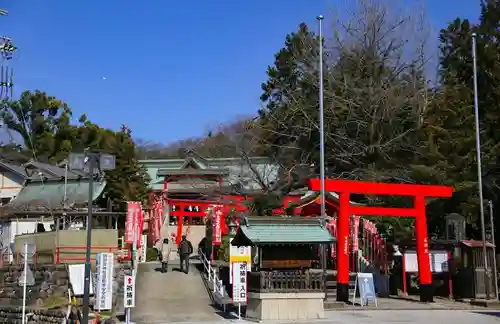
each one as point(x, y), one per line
point(479, 172)
point(93, 164)
point(321, 120)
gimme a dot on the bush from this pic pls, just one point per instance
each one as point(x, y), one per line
point(152, 254)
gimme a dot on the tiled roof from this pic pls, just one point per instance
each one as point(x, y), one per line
point(284, 231)
point(49, 196)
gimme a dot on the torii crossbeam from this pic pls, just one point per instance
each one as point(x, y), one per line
point(419, 192)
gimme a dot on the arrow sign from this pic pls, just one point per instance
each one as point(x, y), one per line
point(129, 292)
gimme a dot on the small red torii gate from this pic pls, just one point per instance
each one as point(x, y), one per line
point(419, 192)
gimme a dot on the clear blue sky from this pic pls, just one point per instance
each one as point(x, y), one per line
point(172, 67)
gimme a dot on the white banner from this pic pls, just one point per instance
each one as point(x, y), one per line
point(240, 282)
point(104, 292)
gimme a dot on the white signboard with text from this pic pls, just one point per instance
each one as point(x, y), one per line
point(240, 282)
point(104, 286)
point(239, 254)
point(129, 292)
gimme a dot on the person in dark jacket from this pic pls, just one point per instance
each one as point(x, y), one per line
point(185, 250)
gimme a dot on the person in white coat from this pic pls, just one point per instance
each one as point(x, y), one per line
point(166, 248)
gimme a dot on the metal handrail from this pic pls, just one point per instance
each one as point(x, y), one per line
point(218, 287)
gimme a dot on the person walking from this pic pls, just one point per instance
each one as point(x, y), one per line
point(185, 250)
point(166, 248)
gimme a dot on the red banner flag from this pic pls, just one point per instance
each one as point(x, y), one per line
point(217, 224)
point(131, 222)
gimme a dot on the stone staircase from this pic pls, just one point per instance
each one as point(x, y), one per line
point(331, 290)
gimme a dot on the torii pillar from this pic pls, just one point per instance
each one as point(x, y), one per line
point(419, 192)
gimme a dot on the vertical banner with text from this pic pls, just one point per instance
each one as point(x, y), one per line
point(132, 221)
point(217, 224)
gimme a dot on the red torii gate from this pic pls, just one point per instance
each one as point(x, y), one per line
point(347, 187)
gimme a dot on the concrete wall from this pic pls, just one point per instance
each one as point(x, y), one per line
point(285, 306)
point(71, 244)
point(10, 185)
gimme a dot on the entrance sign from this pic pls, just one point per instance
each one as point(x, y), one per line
point(239, 254)
point(104, 290)
point(240, 282)
point(365, 288)
point(346, 188)
point(129, 292)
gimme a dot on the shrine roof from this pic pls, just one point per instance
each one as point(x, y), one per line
point(282, 231)
point(234, 171)
point(196, 172)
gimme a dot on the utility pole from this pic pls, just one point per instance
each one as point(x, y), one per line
point(479, 172)
point(7, 50)
point(322, 145)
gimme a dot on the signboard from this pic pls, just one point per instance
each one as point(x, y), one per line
point(129, 292)
point(240, 254)
point(132, 220)
point(365, 289)
point(143, 248)
point(217, 219)
point(438, 261)
point(104, 288)
point(77, 279)
point(240, 282)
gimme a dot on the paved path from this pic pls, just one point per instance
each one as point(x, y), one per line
point(171, 297)
point(387, 317)
point(413, 316)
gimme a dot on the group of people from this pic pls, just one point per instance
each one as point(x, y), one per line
point(184, 251)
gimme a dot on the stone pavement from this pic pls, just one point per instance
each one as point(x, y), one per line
point(171, 297)
point(387, 316)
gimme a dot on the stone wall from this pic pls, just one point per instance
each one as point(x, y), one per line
point(13, 315)
point(51, 285)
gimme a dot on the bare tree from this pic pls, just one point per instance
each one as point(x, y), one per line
point(376, 91)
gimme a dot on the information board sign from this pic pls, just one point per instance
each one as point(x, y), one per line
point(438, 261)
point(104, 290)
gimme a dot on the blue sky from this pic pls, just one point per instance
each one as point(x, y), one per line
point(173, 68)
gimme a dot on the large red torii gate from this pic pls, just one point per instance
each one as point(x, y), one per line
point(347, 187)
